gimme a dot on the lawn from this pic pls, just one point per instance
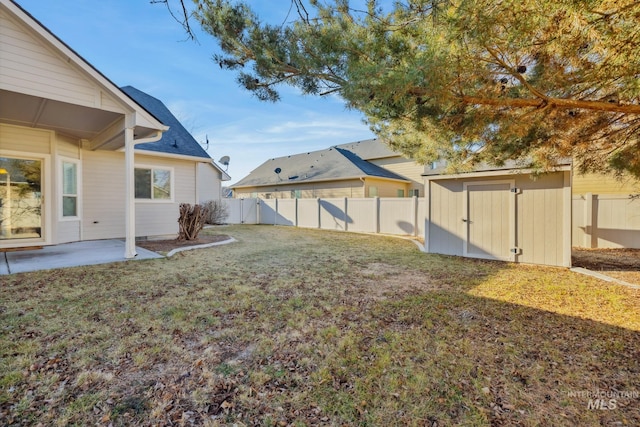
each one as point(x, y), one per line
point(304, 327)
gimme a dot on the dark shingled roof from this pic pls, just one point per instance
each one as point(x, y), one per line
point(333, 163)
point(177, 140)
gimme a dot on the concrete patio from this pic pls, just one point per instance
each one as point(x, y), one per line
point(68, 255)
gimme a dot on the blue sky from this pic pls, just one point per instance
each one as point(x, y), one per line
point(136, 43)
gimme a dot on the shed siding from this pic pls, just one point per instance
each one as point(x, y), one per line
point(539, 212)
point(31, 68)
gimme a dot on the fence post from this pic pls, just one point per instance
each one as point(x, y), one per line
point(275, 217)
point(258, 211)
point(296, 212)
point(346, 225)
point(414, 206)
point(319, 210)
point(589, 230)
point(376, 214)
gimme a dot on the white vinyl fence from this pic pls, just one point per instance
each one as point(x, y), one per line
point(606, 221)
point(398, 216)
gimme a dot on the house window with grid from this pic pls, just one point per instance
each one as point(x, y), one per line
point(153, 183)
point(69, 189)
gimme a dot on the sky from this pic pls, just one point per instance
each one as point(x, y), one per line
point(136, 43)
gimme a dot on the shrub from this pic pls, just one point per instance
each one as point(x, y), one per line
point(218, 212)
point(192, 220)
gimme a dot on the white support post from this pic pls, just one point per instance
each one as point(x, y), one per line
point(130, 206)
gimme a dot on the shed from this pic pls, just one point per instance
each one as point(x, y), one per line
point(500, 213)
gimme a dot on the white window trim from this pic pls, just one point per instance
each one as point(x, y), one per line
point(171, 179)
point(60, 173)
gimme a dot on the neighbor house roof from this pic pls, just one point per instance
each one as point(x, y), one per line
point(331, 164)
point(370, 149)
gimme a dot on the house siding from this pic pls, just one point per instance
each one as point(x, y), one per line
point(27, 140)
point(604, 184)
point(31, 68)
point(209, 183)
point(404, 167)
point(385, 188)
point(104, 199)
point(540, 211)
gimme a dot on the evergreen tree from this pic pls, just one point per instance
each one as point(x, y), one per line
point(463, 80)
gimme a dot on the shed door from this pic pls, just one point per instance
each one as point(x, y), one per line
point(489, 211)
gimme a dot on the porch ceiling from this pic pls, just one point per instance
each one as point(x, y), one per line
point(102, 129)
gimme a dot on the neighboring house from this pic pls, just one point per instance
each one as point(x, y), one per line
point(358, 169)
point(80, 159)
point(500, 213)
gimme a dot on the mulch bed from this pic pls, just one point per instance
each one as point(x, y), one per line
point(168, 245)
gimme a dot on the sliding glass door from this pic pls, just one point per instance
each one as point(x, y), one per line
point(20, 198)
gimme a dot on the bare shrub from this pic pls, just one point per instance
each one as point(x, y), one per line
point(192, 219)
point(218, 212)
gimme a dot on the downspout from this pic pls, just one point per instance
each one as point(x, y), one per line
point(130, 203)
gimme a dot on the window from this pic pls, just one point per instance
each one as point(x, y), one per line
point(296, 194)
point(153, 184)
point(373, 191)
point(400, 193)
point(414, 192)
point(69, 189)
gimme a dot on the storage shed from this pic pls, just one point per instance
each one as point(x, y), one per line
point(504, 214)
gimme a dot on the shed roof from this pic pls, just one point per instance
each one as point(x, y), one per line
point(331, 164)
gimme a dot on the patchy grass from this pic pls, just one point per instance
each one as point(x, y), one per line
point(302, 327)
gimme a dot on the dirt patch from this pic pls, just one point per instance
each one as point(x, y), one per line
point(385, 280)
point(623, 264)
point(607, 259)
point(170, 244)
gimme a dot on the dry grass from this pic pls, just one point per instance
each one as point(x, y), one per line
point(302, 327)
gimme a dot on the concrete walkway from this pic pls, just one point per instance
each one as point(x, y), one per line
point(68, 255)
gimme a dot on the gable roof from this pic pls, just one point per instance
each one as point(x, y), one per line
point(331, 164)
point(370, 149)
point(177, 140)
point(112, 100)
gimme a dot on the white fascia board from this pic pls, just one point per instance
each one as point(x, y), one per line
point(171, 156)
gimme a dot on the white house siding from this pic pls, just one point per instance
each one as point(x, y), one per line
point(31, 68)
point(209, 183)
point(103, 201)
point(26, 140)
point(541, 217)
point(159, 218)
